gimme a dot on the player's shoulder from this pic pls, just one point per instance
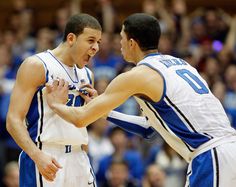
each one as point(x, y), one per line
point(32, 66)
point(32, 62)
point(142, 71)
point(139, 75)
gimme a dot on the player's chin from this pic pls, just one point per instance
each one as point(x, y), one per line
point(82, 63)
point(126, 58)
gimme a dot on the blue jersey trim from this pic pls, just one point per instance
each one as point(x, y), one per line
point(88, 75)
point(202, 171)
point(32, 117)
point(62, 67)
point(217, 171)
point(46, 68)
point(41, 119)
point(163, 124)
point(27, 171)
point(147, 133)
point(150, 66)
point(178, 125)
point(152, 54)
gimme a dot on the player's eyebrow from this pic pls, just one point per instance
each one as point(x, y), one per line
point(91, 37)
point(94, 38)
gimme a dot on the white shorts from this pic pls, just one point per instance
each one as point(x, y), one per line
point(213, 168)
point(76, 169)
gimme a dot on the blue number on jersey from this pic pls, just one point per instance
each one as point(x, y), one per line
point(193, 81)
point(74, 101)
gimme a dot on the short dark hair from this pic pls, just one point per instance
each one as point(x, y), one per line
point(119, 161)
point(78, 22)
point(144, 29)
point(114, 130)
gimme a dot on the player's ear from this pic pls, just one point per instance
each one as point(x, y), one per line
point(133, 43)
point(71, 38)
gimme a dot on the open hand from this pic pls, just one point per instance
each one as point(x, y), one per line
point(57, 92)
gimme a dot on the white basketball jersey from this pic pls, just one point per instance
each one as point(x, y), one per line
point(188, 114)
point(43, 124)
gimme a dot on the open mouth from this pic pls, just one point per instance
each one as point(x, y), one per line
point(87, 58)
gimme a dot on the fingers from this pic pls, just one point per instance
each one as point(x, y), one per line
point(49, 176)
point(86, 98)
point(56, 163)
point(66, 85)
point(48, 87)
point(86, 85)
point(50, 171)
point(58, 83)
point(55, 83)
point(92, 92)
point(61, 83)
point(88, 89)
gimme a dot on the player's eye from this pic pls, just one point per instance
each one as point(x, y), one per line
point(91, 41)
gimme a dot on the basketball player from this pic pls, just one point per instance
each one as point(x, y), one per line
point(51, 147)
point(174, 98)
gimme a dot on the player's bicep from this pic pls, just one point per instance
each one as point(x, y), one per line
point(120, 89)
point(114, 95)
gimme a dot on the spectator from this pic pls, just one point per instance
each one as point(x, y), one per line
point(154, 177)
point(230, 80)
point(11, 175)
point(219, 90)
point(98, 141)
point(121, 152)
point(118, 175)
point(105, 62)
point(173, 165)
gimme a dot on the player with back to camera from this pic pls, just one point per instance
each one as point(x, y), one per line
point(53, 148)
point(175, 99)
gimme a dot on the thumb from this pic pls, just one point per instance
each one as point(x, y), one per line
point(56, 163)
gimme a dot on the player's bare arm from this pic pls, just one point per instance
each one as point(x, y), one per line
point(29, 77)
point(118, 91)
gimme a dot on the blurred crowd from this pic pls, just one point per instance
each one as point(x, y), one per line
point(205, 38)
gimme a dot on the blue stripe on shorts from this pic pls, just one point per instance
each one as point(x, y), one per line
point(202, 174)
point(27, 171)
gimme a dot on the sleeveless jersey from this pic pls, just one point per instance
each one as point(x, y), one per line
point(43, 124)
point(188, 114)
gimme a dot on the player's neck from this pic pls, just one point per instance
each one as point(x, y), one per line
point(148, 52)
point(140, 55)
point(61, 54)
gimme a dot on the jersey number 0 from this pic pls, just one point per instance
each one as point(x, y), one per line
point(197, 85)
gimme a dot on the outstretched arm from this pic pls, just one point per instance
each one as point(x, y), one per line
point(115, 94)
point(118, 91)
point(134, 124)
